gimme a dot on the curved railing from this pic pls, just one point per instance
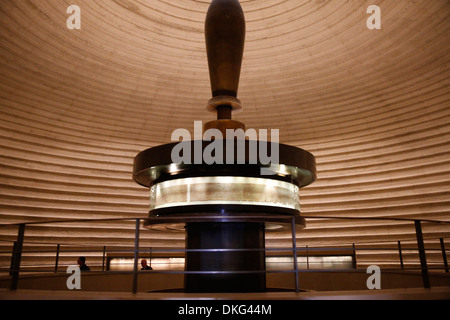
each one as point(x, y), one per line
point(15, 268)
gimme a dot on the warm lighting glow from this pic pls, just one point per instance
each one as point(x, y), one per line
point(224, 190)
point(173, 168)
point(283, 170)
point(312, 262)
point(272, 263)
point(127, 264)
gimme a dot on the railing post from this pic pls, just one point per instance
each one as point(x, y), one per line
point(150, 259)
point(354, 264)
point(444, 254)
point(103, 259)
point(400, 254)
point(136, 255)
point(57, 258)
point(422, 255)
point(11, 267)
point(294, 251)
point(307, 258)
point(17, 256)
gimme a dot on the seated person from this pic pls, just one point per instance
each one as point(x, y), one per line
point(144, 265)
point(82, 263)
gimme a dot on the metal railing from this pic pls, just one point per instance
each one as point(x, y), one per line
point(17, 251)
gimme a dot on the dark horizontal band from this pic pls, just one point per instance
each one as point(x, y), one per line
point(223, 210)
point(154, 165)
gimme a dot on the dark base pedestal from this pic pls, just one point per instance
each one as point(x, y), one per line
point(225, 236)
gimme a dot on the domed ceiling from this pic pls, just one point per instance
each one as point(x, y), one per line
point(76, 106)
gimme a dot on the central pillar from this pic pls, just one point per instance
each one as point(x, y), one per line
point(228, 235)
point(224, 195)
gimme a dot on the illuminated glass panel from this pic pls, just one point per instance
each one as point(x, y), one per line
point(272, 263)
point(224, 190)
point(311, 263)
point(127, 264)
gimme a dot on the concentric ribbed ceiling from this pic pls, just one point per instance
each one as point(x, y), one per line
point(76, 106)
